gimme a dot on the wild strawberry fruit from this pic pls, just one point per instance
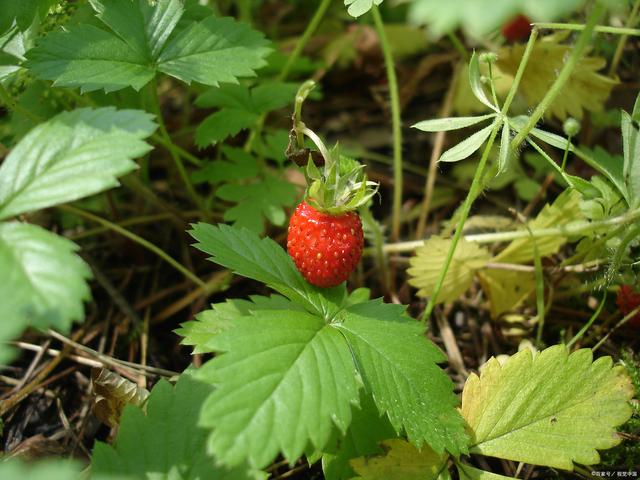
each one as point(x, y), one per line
point(325, 237)
point(518, 28)
point(628, 300)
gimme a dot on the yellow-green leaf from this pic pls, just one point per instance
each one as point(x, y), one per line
point(506, 289)
point(402, 461)
point(585, 90)
point(430, 258)
point(550, 409)
point(467, 472)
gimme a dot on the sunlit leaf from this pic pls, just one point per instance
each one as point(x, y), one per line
point(15, 469)
point(467, 147)
point(476, 83)
point(360, 7)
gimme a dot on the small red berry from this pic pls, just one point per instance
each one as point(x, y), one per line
point(518, 28)
point(628, 300)
point(325, 248)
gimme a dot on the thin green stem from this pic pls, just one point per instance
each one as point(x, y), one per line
point(566, 154)
point(581, 27)
point(14, 106)
point(633, 17)
point(171, 147)
point(477, 178)
point(459, 46)
point(190, 157)
point(301, 96)
point(396, 124)
point(587, 325)
point(493, 86)
point(563, 77)
point(134, 238)
point(539, 278)
point(624, 320)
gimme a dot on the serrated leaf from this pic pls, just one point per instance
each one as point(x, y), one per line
point(265, 198)
point(429, 261)
point(166, 443)
point(366, 431)
point(585, 90)
point(467, 472)
point(239, 164)
point(476, 83)
point(360, 7)
point(265, 261)
point(15, 469)
point(73, 155)
point(44, 282)
point(506, 289)
point(286, 380)
point(402, 461)
point(399, 368)
point(631, 151)
point(564, 209)
point(221, 316)
point(551, 409)
point(467, 147)
point(450, 123)
point(222, 124)
point(140, 40)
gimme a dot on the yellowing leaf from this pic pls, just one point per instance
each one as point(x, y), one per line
point(506, 289)
point(585, 90)
point(430, 258)
point(550, 409)
point(402, 461)
point(565, 209)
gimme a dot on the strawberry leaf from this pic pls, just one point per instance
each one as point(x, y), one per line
point(398, 366)
point(140, 40)
point(286, 380)
point(265, 261)
point(535, 408)
point(16, 469)
point(73, 155)
point(166, 442)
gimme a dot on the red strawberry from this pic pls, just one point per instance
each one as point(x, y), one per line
point(325, 248)
point(628, 300)
point(517, 29)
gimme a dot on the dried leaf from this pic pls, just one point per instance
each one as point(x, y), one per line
point(112, 393)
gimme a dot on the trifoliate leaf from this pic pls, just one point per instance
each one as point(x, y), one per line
point(429, 261)
point(166, 443)
point(360, 7)
point(221, 316)
point(506, 289)
point(551, 409)
point(467, 472)
point(141, 40)
point(112, 393)
point(265, 198)
point(265, 261)
point(565, 209)
point(286, 380)
point(44, 282)
point(467, 147)
point(73, 155)
point(14, 469)
point(585, 90)
point(631, 150)
point(399, 368)
point(402, 461)
point(366, 431)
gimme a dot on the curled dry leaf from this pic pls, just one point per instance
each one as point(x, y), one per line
point(112, 393)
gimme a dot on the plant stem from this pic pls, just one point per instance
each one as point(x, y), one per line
point(587, 325)
point(624, 320)
point(169, 145)
point(134, 238)
point(181, 151)
point(475, 184)
point(561, 80)
point(568, 230)
point(597, 28)
point(395, 122)
point(301, 96)
point(633, 17)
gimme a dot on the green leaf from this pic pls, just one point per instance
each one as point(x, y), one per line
point(450, 123)
point(44, 282)
point(286, 380)
point(503, 157)
point(366, 431)
point(399, 368)
point(476, 83)
point(73, 155)
point(239, 165)
point(140, 40)
point(429, 261)
point(467, 472)
point(551, 409)
point(610, 165)
point(360, 7)
point(15, 469)
point(564, 209)
point(22, 12)
point(210, 323)
point(265, 261)
point(166, 443)
point(222, 124)
point(403, 461)
point(468, 146)
point(631, 151)
point(266, 198)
